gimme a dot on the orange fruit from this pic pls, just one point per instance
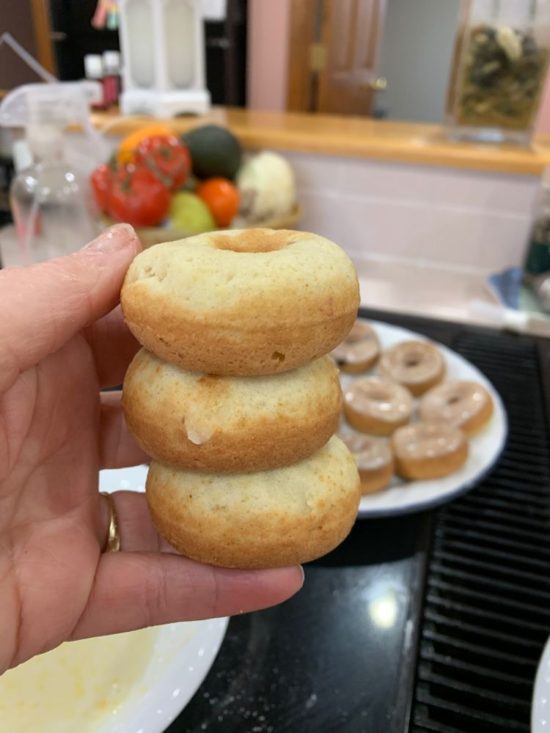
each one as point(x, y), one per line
point(126, 149)
point(221, 197)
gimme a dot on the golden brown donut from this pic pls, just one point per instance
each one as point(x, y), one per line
point(213, 423)
point(374, 461)
point(377, 406)
point(268, 519)
point(359, 351)
point(243, 302)
point(467, 405)
point(427, 450)
point(417, 365)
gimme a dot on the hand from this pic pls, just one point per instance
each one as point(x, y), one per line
point(62, 339)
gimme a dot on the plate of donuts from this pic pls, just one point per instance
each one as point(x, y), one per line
point(424, 424)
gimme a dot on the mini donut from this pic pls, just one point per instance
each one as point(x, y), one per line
point(377, 406)
point(467, 405)
point(242, 302)
point(427, 450)
point(266, 519)
point(359, 351)
point(417, 365)
point(212, 423)
point(374, 461)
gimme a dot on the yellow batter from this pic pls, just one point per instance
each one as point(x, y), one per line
point(84, 681)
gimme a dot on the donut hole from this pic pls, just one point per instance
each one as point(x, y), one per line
point(253, 241)
point(379, 395)
point(412, 361)
point(453, 399)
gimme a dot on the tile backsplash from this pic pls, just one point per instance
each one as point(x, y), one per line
point(441, 216)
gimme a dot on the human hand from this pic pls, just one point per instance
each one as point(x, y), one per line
point(62, 339)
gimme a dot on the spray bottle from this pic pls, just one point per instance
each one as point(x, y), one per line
point(50, 198)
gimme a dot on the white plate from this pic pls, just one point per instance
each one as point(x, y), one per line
point(184, 652)
point(181, 660)
point(135, 682)
point(402, 497)
point(540, 710)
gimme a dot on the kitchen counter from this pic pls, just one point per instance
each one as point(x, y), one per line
point(355, 137)
point(394, 286)
point(413, 622)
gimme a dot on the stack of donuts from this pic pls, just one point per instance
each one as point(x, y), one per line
point(404, 419)
point(234, 397)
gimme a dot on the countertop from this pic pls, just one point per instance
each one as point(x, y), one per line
point(413, 619)
point(416, 289)
point(357, 137)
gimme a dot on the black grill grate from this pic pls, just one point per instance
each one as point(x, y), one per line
point(487, 606)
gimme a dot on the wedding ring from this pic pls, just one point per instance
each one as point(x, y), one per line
point(112, 543)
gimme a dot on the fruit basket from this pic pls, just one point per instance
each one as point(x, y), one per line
point(170, 188)
point(155, 235)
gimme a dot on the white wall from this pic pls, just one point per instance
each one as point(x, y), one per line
point(439, 217)
point(415, 57)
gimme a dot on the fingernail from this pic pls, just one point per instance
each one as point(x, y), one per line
point(115, 238)
point(300, 568)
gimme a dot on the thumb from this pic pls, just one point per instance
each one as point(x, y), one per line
point(44, 305)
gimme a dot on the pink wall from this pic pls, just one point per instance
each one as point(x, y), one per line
point(268, 34)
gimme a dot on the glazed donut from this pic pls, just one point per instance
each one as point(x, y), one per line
point(417, 365)
point(467, 405)
point(374, 461)
point(427, 450)
point(268, 519)
point(359, 351)
point(230, 423)
point(377, 406)
point(243, 302)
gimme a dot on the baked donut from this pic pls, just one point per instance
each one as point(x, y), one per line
point(467, 405)
point(427, 450)
point(230, 423)
point(417, 365)
point(377, 406)
point(267, 519)
point(374, 461)
point(359, 351)
point(242, 302)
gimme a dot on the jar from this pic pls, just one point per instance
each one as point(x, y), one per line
point(499, 70)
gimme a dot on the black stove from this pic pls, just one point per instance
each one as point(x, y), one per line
point(432, 622)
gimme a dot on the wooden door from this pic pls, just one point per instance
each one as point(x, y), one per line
point(42, 33)
point(334, 47)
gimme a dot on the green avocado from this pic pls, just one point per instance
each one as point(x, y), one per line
point(214, 151)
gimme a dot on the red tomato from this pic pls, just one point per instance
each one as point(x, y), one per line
point(138, 197)
point(101, 180)
point(167, 157)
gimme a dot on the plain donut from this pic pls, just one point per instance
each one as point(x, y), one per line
point(242, 302)
point(211, 423)
point(276, 518)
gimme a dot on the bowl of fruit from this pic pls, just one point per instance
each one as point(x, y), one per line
point(170, 187)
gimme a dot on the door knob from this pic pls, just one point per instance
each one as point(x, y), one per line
point(378, 84)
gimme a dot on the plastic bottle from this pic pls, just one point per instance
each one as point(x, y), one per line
point(111, 77)
point(51, 201)
point(93, 69)
point(536, 266)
